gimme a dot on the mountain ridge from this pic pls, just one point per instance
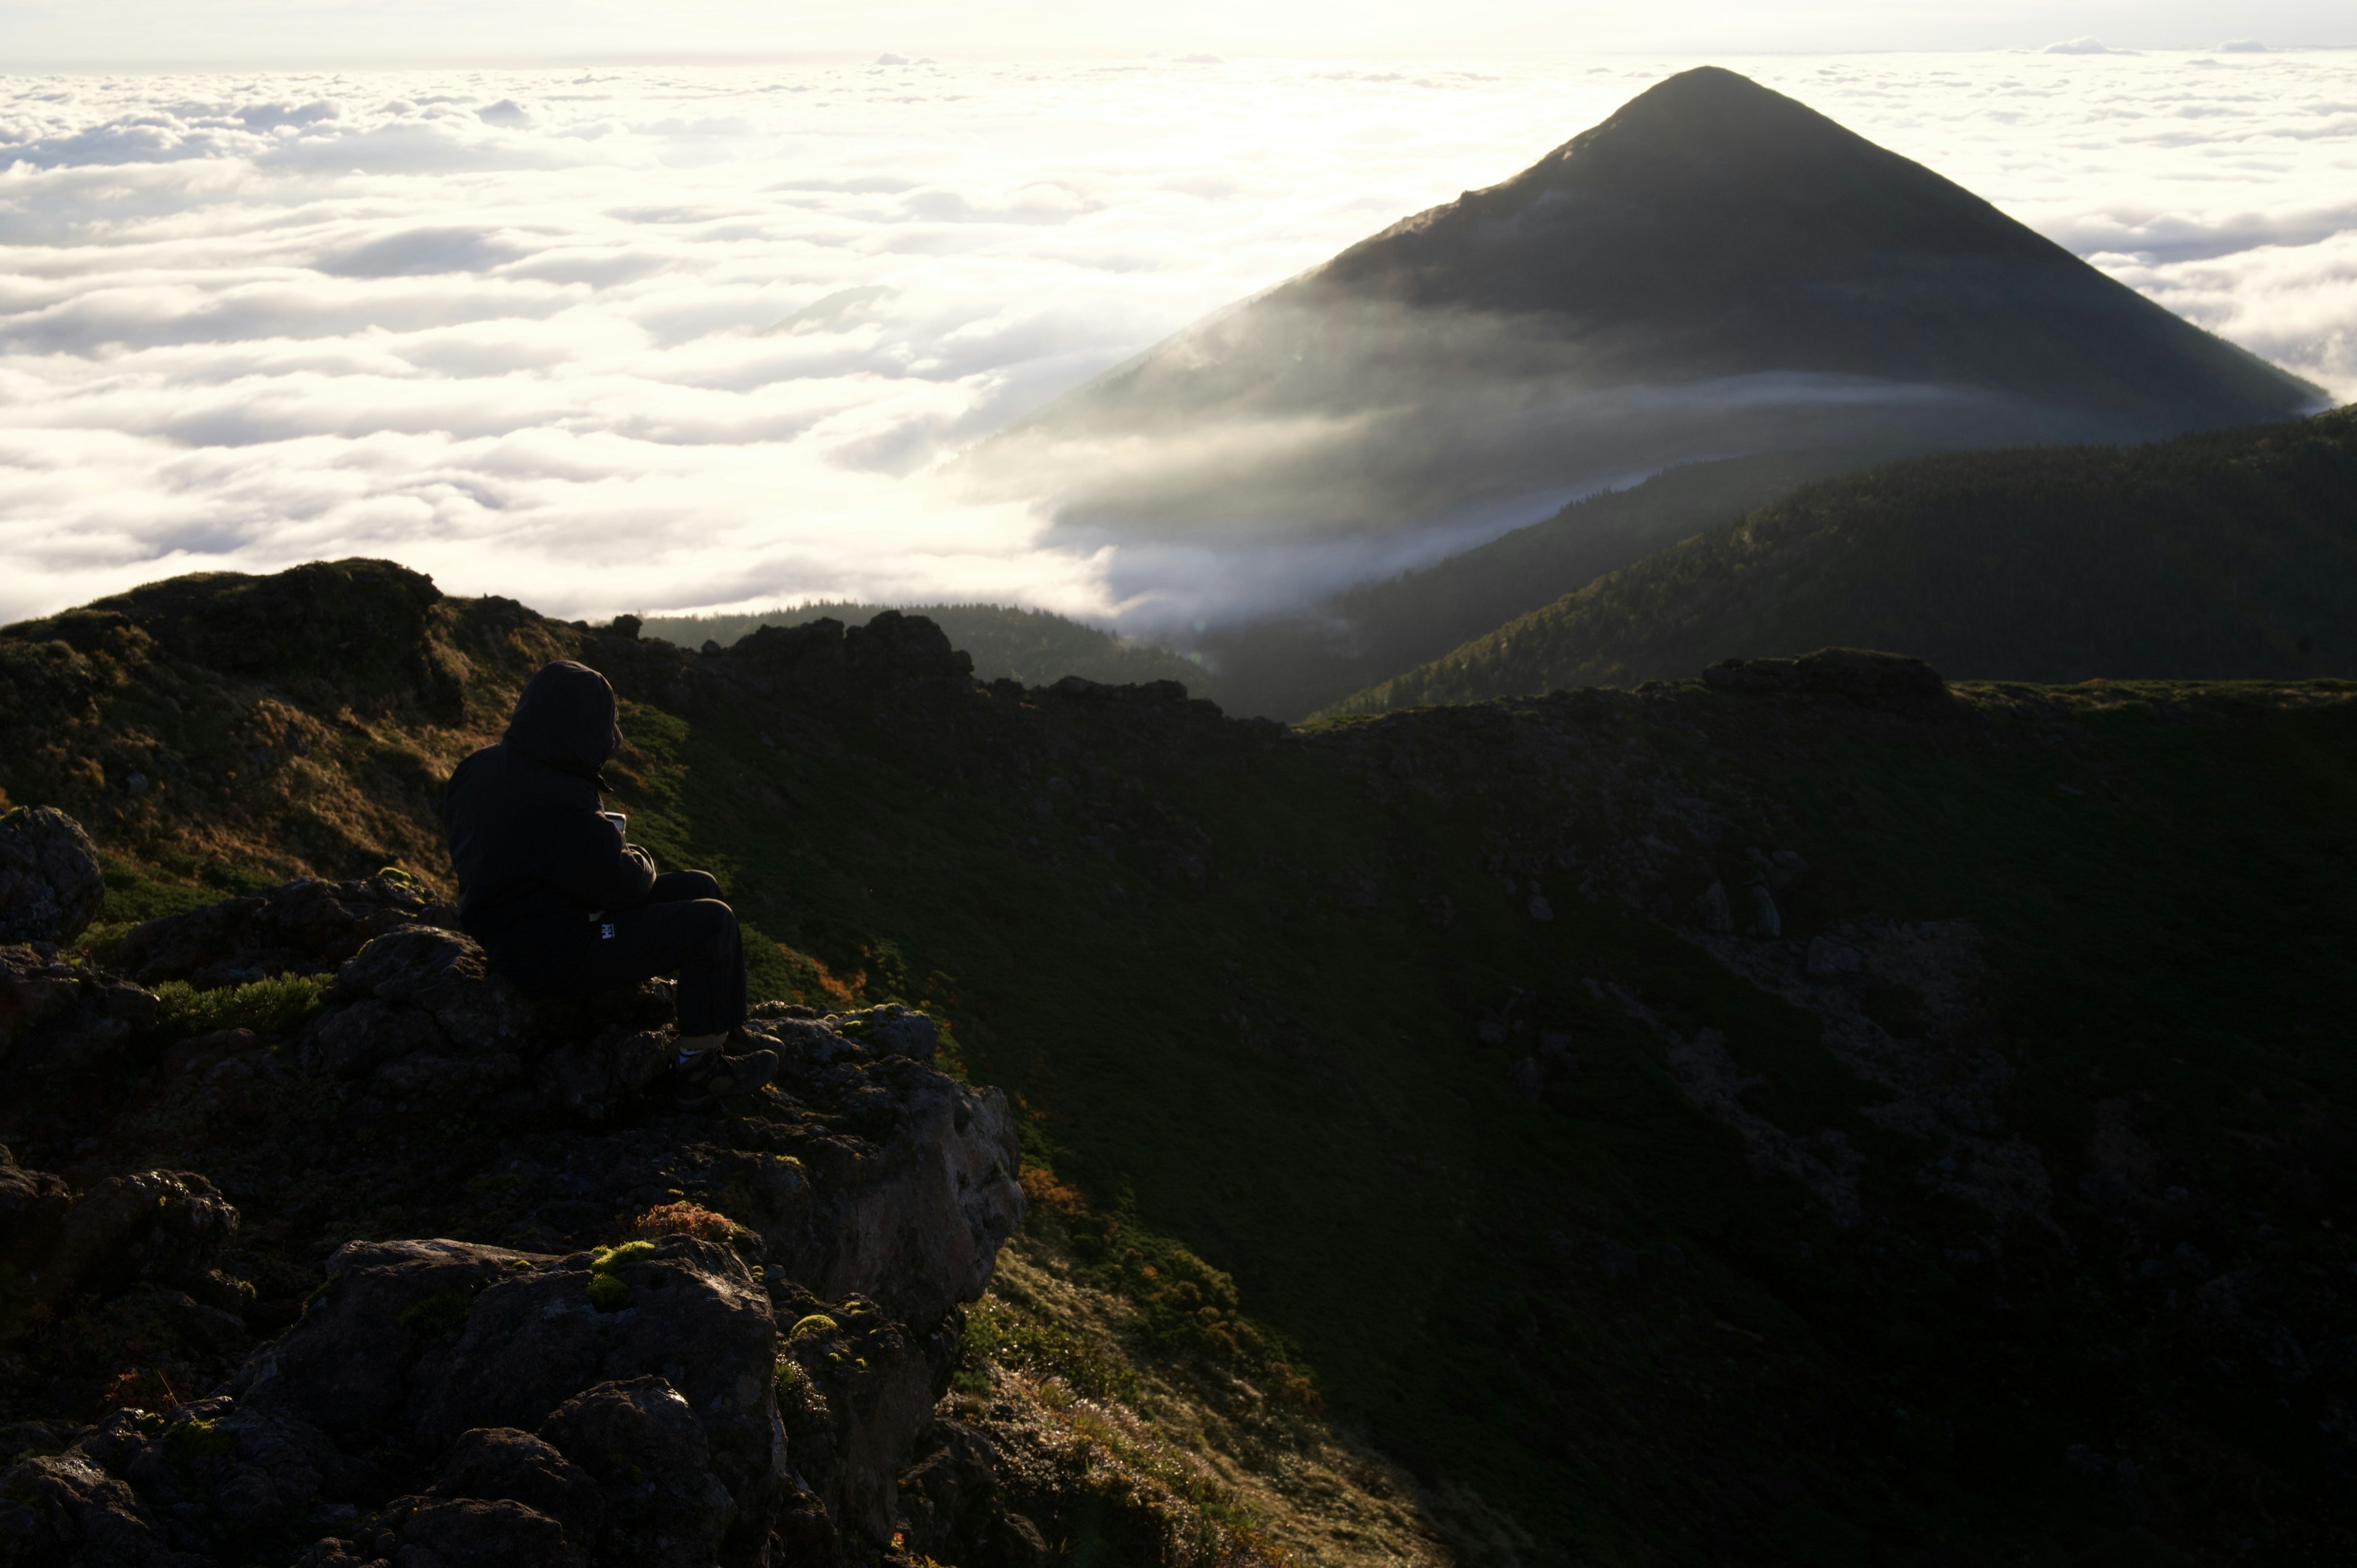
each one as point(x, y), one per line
point(2219, 556)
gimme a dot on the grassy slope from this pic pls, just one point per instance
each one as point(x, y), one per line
point(2215, 556)
point(1286, 667)
point(1035, 647)
point(1589, 1309)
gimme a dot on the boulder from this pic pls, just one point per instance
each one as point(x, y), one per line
point(418, 1016)
point(58, 1015)
point(468, 1533)
point(50, 887)
point(665, 1508)
point(346, 1368)
point(498, 1463)
point(64, 1511)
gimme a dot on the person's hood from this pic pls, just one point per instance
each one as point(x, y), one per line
point(565, 718)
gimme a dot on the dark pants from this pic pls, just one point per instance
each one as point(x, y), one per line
point(683, 929)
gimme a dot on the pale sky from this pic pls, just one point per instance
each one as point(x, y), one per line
point(380, 32)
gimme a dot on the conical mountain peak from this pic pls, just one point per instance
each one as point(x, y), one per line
point(1715, 269)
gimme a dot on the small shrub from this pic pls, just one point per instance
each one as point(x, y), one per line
point(275, 1007)
point(816, 1323)
point(1044, 1191)
point(693, 1219)
point(609, 1292)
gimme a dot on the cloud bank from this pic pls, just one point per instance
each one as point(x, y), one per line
point(648, 340)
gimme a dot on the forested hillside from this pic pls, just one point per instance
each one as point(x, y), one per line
point(1286, 667)
point(1616, 1106)
point(2221, 556)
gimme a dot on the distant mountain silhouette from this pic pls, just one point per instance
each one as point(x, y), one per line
point(1716, 270)
point(2227, 555)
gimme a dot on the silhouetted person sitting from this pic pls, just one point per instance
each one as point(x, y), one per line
point(565, 906)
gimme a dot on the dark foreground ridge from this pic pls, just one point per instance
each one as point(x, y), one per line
point(743, 1388)
point(1816, 1104)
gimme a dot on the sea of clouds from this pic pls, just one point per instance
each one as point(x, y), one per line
point(661, 339)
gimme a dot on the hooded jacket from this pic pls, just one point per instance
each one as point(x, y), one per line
point(522, 816)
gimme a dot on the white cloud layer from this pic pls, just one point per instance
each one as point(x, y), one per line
point(666, 338)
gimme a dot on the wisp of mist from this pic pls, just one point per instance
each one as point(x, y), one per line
point(672, 339)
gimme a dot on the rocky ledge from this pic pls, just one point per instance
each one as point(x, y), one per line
point(399, 1267)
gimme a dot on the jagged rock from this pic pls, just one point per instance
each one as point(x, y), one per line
point(50, 887)
point(160, 1227)
point(869, 1394)
point(63, 1511)
point(905, 1034)
point(431, 1339)
point(58, 1014)
point(950, 1503)
point(306, 927)
point(1712, 911)
point(247, 1486)
point(911, 1187)
point(665, 1506)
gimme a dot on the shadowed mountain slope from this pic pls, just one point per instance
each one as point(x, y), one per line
point(1714, 270)
point(2222, 556)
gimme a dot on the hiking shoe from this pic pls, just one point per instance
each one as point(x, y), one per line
point(747, 1038)
point(706, 1075)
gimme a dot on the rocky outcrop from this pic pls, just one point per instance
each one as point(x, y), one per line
point(910, 1175)
point(50, 887)
point(1890, 682)
point(738, 1387)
